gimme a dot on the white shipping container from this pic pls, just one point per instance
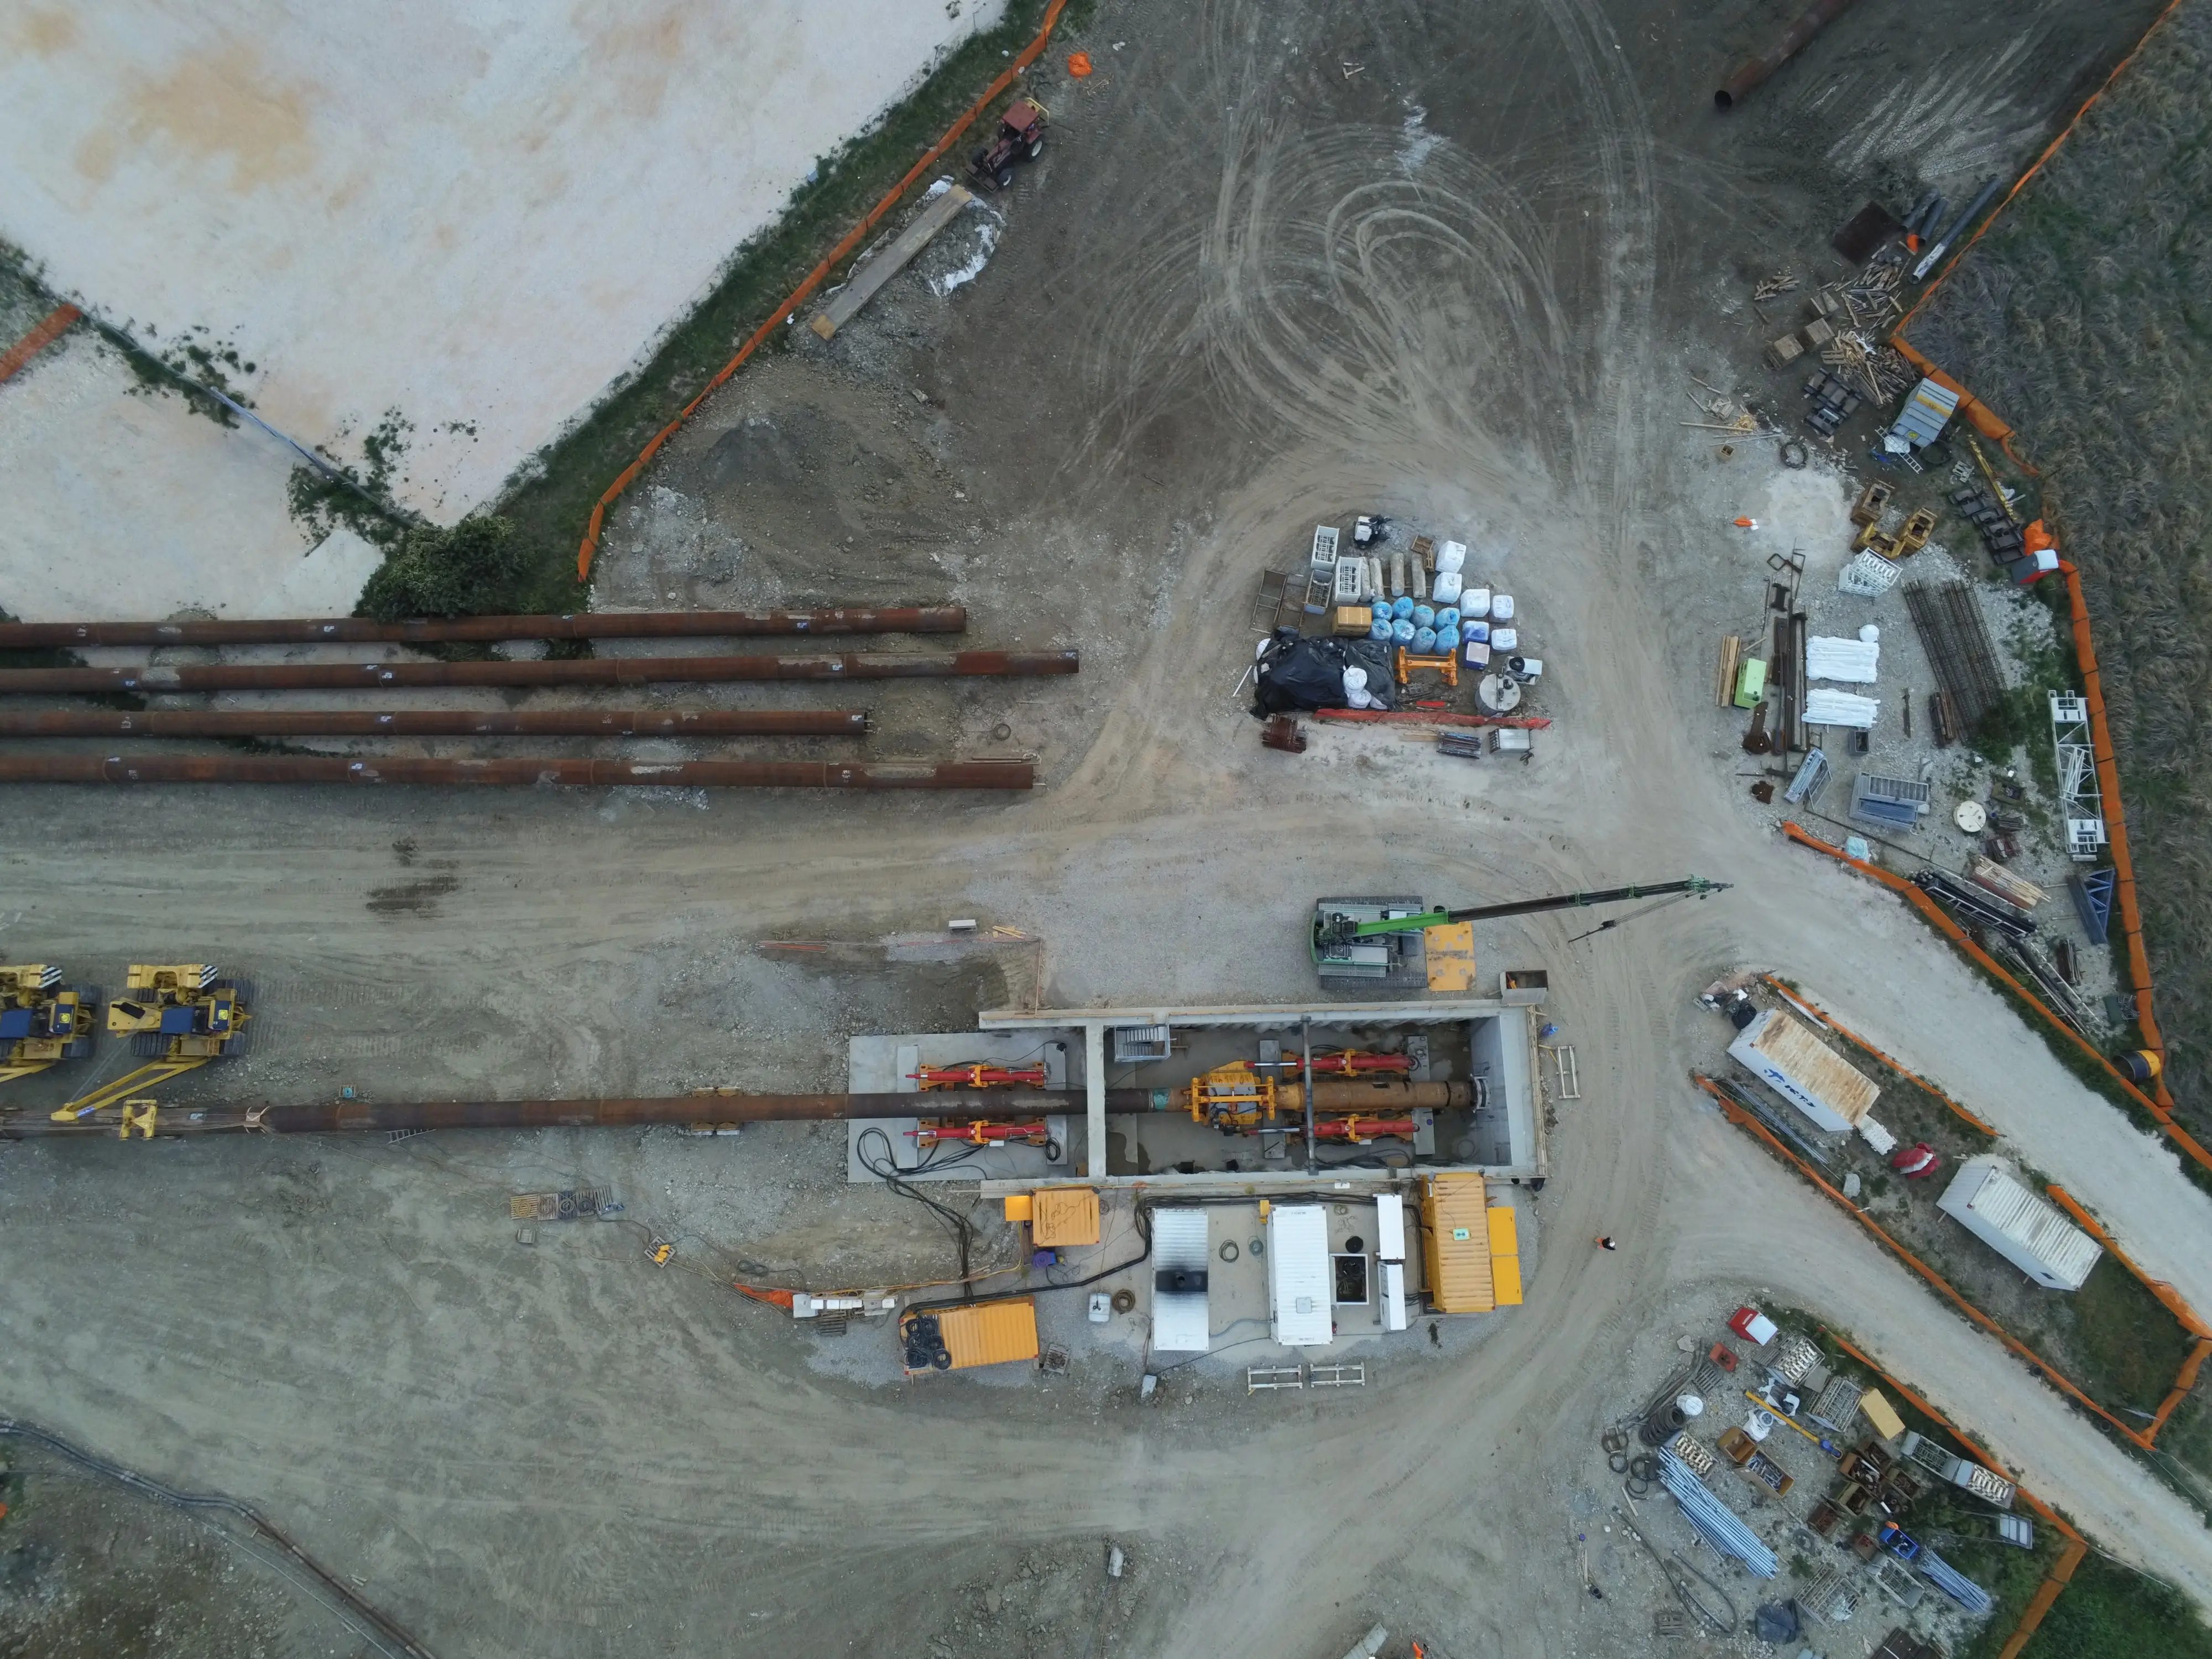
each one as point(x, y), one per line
point(1180, 1319)
point(1783, 1054)
point(1298, 1276)
point(2027, 1230)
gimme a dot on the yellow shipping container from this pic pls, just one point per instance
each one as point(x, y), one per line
point(989, 1332)
point(1455, 1244)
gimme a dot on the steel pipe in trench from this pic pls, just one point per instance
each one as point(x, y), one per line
point(597, 670)
point(580, 625)
point(515, 770)
point(1791, 43)
point(433, 723)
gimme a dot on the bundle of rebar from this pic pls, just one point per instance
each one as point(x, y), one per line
point(1950, 626)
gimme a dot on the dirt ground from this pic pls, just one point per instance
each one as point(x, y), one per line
point(1243, 293)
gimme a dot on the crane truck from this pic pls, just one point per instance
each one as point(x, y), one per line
point(1381, 939)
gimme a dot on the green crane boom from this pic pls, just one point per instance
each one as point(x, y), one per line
point(1333, 931)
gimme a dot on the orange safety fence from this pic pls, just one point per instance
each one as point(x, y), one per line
point(628, 474)
point(2069, 1557)
point(1942, 923)
point(2116, 824)
point(1737, 1115)
point(49, 328)
point(1799, 1000)
point(2169, 1298)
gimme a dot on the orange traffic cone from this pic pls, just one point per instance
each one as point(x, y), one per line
point(1746, 524)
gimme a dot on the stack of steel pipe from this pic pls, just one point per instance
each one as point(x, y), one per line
point(167, 680)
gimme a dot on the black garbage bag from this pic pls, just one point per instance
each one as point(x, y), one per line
point(1300, 674)
point(1775, 1621)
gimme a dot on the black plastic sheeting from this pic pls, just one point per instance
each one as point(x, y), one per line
point(1302, 673)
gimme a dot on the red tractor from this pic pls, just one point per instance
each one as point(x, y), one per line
point(1021, 136)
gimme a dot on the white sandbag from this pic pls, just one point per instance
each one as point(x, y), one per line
point(1355, 678)
point(1451, 556)
point(1474, 603)
point(1826, 707)
point(1448, 587)
point(1854, 661)
point(1501, 607)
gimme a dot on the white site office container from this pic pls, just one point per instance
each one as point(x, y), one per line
point(1394, 1296)
point(1179, 1318)
point(1390, 1227)
point(1783, 1054)
point(1298, 1276)
point(2021, 1226)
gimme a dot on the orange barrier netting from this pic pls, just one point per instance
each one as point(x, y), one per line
point(1942, 923)
point(1798, 1000)
point(1743, 1119)
point(49, 329)
point(2061, 1570)
point(628, 474)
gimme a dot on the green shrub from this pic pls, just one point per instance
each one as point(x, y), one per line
point(470, 569)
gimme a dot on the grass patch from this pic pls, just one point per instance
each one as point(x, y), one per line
point(2110, 1610)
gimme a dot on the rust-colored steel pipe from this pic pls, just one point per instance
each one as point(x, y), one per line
point(1792, 42)
point(718, 1107)
point(513, 771)
point(433, 723)
point(599, 671)
point(580, 625)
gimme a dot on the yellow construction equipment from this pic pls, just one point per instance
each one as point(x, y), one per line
point(1233, 1098)
point(179, 1018)
point(42, 1021)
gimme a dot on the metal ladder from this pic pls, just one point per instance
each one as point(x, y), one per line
point(1566, 1082)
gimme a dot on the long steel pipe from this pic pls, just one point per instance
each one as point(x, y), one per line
point(333, 1117)
point(599, 671)
point(433, 723)
point(715, 1106)
point(1793, 41)
point(513, 771)
point(580, 625)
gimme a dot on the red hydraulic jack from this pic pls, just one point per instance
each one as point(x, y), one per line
point(979, 1076)
point(1349, 1061)
point(983, 1133)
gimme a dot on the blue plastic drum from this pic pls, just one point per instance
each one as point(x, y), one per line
point(1425, 642)
point(1425, 615)
point(1380, 629)
point(1383, 612)
point(1448, 638)
point(1402, 632)
point(1447, 618)
point(1402, 607)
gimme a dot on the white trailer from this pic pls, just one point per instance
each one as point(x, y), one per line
point(1990, 1201)
point(1298, 1276)
point(1783, 1052)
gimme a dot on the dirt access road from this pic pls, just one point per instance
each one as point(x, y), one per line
point(1242, 294)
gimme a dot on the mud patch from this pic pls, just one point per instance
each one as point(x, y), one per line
point(413, 898)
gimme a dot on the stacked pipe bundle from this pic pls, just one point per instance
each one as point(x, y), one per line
point(165, 680)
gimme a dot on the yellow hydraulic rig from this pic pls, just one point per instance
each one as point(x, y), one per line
point(43, 1022)
point(1231, 1098)
point(179, 1018)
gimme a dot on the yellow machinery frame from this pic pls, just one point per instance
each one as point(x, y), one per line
point(1231, 1098)
point(152, 991)
point(35, 987)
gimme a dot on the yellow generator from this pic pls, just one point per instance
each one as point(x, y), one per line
point(178, 1019)
point(42, 1021)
